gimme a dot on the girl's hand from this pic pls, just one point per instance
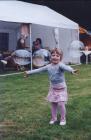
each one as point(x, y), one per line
point(25, 74)
point(75, 72)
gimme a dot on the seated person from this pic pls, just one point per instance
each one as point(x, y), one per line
point(20, 45)
point(83, 56)
point(21, 42)
point(39, 41)
point(37, 44)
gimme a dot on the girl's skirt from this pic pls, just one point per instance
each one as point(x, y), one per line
point(57, 93)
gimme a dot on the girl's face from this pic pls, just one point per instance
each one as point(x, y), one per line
point(55, 58)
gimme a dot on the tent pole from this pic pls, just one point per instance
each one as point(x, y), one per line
point(78, 39)
point(30, 45)
point(58, 39)
point(56, 36)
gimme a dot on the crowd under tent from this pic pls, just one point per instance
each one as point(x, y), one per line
point(54, 29)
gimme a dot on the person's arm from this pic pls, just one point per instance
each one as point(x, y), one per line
point(36, 71)
point(68, 68)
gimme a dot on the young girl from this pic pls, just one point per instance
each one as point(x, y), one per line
point(57, 95)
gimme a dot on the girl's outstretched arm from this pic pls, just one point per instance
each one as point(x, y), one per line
point(69, 68)
point(26, 73)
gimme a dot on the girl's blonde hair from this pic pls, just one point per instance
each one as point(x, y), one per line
point(58, 51)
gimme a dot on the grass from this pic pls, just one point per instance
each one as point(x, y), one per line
point(25, 113)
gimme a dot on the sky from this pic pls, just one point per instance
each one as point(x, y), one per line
point(77, 10)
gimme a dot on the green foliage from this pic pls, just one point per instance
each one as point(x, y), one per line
point(25, 113)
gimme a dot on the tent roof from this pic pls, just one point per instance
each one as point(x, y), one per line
point(18, 11)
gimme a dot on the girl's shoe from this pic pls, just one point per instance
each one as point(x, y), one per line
point(52, 121)
point(63, 122)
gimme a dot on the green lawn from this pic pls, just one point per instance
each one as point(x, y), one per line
point(25, 114)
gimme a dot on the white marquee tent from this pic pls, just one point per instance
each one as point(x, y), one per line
point(43, 22)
